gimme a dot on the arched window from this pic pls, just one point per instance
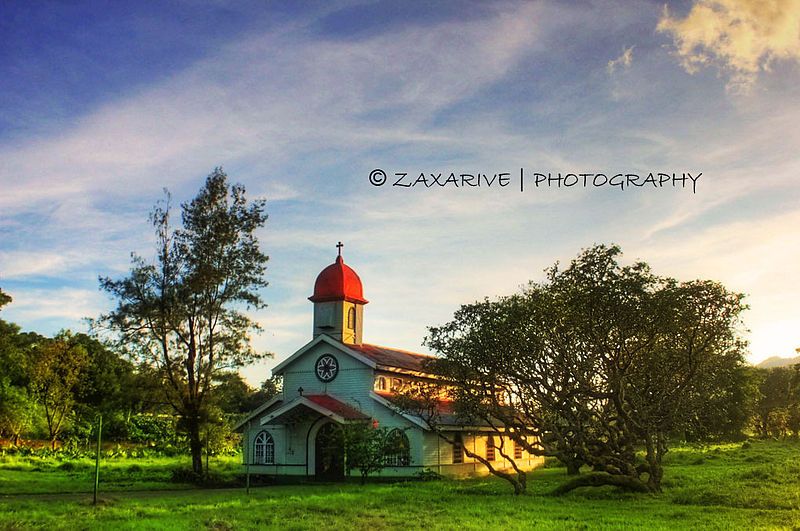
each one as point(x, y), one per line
point(351, 318)
point(264, 449)
point(490, 456)
point(458, 449)
point(380, 383)
point(399, 449)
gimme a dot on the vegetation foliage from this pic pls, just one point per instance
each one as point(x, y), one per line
point(182, 315)
point(209, 270)
point(592, 365)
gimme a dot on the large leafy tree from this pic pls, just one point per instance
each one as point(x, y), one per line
point(183, 314)
point(777, 408)
point(592, 365)
point(108, 387)
point(17, 406)
point(56, 370)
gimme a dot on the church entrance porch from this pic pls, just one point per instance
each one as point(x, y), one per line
point(329, 453)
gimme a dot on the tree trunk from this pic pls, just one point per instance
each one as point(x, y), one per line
point(195, 444)
point(573, 466)
point(654, 481)
point(598, 479)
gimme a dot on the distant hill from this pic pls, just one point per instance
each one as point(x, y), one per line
point(777, 361)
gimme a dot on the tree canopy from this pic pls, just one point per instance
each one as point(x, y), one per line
point(4, 298)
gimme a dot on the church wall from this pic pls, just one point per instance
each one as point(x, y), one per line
point(438, 455)
point(328, 319)
point(352, 384)
point(351, 335)
point(290, 448)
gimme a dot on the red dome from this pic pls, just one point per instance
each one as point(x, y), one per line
point(338, 282)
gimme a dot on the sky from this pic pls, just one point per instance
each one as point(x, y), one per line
point(103, 105)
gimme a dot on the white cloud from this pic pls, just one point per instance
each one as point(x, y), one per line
point(741, 37)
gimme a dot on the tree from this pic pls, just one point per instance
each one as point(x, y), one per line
point(17, 410)
point(184, 313)
point(592, 364)
point(17, 407)
point(232, 394)
point(727, 413)
point(269, 389)
point(368, 447)
point(776, 408)
point(4, 299)
point(57, 368)
point(106, 388)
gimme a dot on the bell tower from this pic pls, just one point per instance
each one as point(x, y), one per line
point(339, 302)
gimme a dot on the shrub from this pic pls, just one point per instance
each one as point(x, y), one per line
point(185, 475)
point(67, 467)
point(429, 475)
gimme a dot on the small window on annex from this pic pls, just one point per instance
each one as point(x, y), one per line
point(458, 449)
point(264, 449)
point(517, 450)
point(490, 455)
point(380, 383)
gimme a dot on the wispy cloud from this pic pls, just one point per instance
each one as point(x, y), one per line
point(623, 61)
point(54, 305)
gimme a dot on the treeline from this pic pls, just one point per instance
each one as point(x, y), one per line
point(55, 388)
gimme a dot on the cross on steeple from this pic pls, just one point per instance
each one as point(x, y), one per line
point(339, 246)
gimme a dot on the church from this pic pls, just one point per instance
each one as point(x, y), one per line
point(337, 378)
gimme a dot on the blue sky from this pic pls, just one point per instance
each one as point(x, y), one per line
point(104, 104)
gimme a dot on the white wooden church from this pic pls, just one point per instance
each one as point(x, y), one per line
point(335, 379)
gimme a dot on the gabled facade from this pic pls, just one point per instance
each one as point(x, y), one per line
point(337, 379)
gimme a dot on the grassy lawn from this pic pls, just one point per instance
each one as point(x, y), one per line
point(722, 487)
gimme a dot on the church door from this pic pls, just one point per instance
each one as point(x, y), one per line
point(329, 453)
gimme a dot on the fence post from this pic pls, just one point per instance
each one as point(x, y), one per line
point(207, 450)
point(247, 456)
point(97, 459)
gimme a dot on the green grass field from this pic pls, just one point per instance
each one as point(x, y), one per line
point(720, 487)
